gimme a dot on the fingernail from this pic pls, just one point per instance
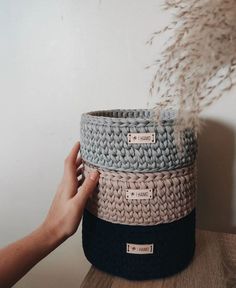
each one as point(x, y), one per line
point(94, 175)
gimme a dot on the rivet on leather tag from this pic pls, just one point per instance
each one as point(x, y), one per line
point(141, 138)
point(139, 248)
point(139, 193)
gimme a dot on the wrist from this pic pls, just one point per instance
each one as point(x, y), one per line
point(51, 235)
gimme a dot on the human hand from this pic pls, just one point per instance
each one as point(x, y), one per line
point(72, 194)
point(61, 222)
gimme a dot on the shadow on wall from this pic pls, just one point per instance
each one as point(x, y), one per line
point(216, 177)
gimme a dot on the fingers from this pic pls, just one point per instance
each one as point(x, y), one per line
point(80, 182)
point(87, 188)
point(79, 171)
point(71, 163)
point(79, 161)
point(73, 180)
point(71, 159)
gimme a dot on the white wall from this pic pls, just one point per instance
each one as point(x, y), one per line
point(59, 59)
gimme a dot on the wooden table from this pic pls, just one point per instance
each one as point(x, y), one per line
point(214, 265)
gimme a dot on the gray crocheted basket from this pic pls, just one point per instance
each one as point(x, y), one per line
point(130, 140)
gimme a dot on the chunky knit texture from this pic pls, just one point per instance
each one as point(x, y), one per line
point(173, 196)
point(164, 220)
point(104, 141)
point(104, 245)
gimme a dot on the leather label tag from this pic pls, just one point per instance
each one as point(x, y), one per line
point(141, 138)
point(139, 194)
point(139, 248)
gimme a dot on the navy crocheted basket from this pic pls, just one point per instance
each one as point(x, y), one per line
point(106, 246)
point(140, 221)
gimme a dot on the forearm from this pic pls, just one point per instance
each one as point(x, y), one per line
point(18, 258)
point(61, 222)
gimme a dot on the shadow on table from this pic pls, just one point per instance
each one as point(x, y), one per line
point(215, 178)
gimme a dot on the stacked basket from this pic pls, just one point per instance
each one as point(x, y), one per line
point(140, 222)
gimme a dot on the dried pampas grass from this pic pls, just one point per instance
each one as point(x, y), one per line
point(198, 62)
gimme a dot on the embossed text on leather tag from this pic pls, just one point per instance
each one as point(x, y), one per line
point(141, 138)
point(139, 194)
point(139, 248)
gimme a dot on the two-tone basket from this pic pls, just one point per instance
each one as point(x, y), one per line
point(140, 222)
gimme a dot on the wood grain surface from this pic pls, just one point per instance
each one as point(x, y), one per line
point(213, 266)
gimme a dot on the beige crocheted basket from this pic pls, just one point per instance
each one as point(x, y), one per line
point(165, 196)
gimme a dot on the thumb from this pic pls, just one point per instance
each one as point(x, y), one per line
point(87, 188)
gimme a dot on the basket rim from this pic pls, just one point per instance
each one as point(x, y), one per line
point(95, 116)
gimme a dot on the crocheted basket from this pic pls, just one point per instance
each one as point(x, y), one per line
point(164, 250)
point(165, 196)
point(140, 221)
point(129, 140)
